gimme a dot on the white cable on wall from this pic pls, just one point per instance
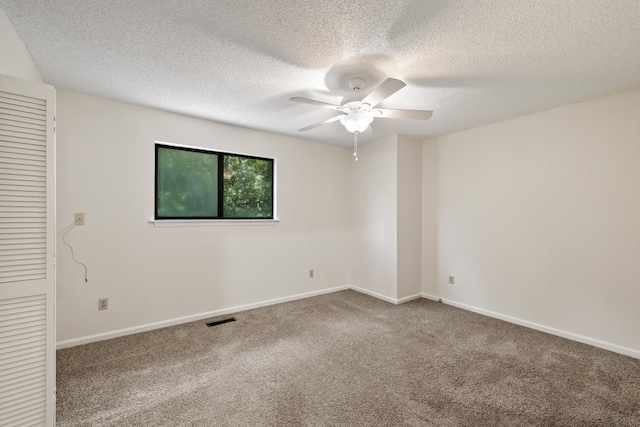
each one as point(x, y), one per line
point(65, 231)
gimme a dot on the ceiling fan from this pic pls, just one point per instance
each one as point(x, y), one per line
point(358, 110)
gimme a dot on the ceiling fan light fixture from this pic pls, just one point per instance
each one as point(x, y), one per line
point(357, 121)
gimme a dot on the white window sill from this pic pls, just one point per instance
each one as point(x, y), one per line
point(212, 222)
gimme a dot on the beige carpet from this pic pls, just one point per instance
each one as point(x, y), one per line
point(347, 359)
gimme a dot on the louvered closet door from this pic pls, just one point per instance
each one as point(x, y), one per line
point(27, 239)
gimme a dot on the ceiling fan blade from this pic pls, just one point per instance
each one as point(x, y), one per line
point(383, 91)
point(324, 122)
point(314, 102)
point(405, 114)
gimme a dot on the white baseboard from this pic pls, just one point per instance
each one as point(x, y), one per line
point(384, 297)
point(409, 298)
point(431, 297)
point(374, 294)
point(177, 321)
point(553, 331)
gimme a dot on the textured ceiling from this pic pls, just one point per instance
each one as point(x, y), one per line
point(239, 61)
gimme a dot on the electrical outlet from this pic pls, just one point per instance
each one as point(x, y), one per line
point(78, 219)
point(310, 274)
point(451, 280)
point(103, 303)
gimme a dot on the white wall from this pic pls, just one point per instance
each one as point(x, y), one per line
point(374, 262)
point(538, 218)
point(105, 165)
point(387, 219)
point(429, 220)
point(409, 221)
point(15, 60)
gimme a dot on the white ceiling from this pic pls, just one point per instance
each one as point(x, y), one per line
point(239, 61)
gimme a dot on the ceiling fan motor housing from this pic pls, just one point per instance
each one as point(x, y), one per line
point(356, 83)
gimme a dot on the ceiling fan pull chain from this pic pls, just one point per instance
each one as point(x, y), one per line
point(355, 146)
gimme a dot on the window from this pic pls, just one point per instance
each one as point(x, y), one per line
point(201, 184)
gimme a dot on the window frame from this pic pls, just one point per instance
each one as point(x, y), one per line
point(220, 185)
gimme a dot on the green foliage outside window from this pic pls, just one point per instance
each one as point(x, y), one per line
point(248, 184)
point(198, 184)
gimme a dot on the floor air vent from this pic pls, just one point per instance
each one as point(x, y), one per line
point(220, 322)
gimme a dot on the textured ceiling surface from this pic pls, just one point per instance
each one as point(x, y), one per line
point(472, 62)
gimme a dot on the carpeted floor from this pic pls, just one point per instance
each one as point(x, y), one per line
point(347, 359)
